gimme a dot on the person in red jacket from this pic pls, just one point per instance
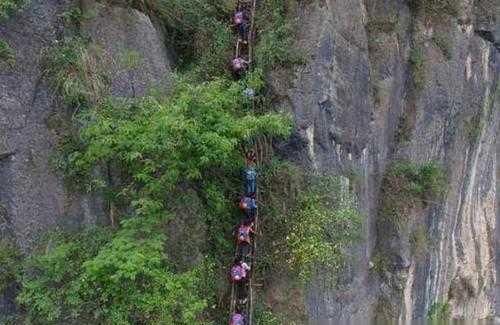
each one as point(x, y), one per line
point(244, 233)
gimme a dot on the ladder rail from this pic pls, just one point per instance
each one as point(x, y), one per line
point(251, 34)
point(254, 253)
point(235, 288)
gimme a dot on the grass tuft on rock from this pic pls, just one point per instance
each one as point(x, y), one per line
point(439, 312)
point(10, 259)
point(417, 65)
point(9, 7)
point(443, 43)
point(7, 54)
point(407, 185)
point(435, 8)
point(74, 69)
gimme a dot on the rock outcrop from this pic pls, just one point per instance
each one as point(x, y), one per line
point(32, 116)
point(388, 81)
point(385, 80)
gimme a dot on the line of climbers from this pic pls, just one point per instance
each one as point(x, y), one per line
point(241, 21)
point(244, 232)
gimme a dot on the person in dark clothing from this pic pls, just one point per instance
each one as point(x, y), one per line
point(251, 158)
point(241, 295)
point(250, 175)
point(249, 206)
point(240, 20)
point(245, 252)
point(239, 66)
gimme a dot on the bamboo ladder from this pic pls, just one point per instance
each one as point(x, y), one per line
point(251, 7)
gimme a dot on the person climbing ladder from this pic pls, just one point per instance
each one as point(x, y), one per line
point(241, 306)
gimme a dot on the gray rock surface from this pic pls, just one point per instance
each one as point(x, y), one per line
point(355, 108)
point(133, 49)
point(355, 111)
point(32, 194)
point(31, 116)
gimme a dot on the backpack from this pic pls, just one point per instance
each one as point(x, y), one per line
point(245, 203)
point(237, 273)
point(237, 64)
point(237, 319)
point(248, 205)
point(250, 174)
point(238, 18)
point(244, 234)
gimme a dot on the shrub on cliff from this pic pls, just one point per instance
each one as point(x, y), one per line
point(200, 128)
point(120, 279)
point(311, 220)
point(9, 7)
point(409, 185)
point(6, 54)
point(194, 137)
point(9, 264)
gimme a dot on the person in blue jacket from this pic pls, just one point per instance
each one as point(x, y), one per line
point(250, 175)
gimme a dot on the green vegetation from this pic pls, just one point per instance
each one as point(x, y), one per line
point(200, 33)
point(435, 8)
point(204, 40)
point(385, 24)
point(74, 70)
point(194, 138)
point(311, 221)
point(49, 280)
point(161, 147)
point(380, 263)
point(264, 316)
point(419, 242)
point(123, 280)
point(130, 59)
point(407, 186)
point(473, 126)
point(439, 311)
point(159, 144)
point(275, 37)
point(323, 228)
point(6, 53)
point(9, 263)
point(405, 127)
point(72, 17)
point(443, 43)
point(417, 65)
point(9, 7)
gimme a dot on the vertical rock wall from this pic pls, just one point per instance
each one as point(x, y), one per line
point(33, 196)
point(356, 109)
point(32, 118)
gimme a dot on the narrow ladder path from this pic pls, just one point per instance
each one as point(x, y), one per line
point(239, 290)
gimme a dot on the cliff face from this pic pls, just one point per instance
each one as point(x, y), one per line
point(33, 119)
point(359, 107)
